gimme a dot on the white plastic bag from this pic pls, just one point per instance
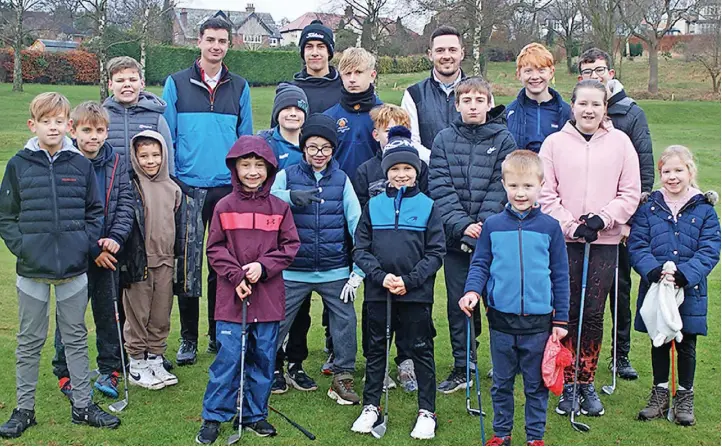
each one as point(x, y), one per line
point(660, 310)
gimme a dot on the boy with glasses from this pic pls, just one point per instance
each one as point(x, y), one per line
point(326, 212)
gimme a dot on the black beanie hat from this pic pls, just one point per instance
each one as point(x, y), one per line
point(316, 30)
point(289, 95)
point(400, 149)
point(319, 125)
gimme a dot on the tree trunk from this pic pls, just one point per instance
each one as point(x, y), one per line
point(102, 54)
point(17, 48)
point(144, 39)
point(568, 47)
point(653, 85)
point(167, 23)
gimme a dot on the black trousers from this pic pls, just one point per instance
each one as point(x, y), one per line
point(414, 328)
point(456, 268)
point(686, 361)
point(189, 306)
point(624, 311)
point(403, 352)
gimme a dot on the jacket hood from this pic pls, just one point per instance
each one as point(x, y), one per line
point(33, 145)
point(495, 123)
point(303, 76)
point(163, 171)
point(556, 97)
point(248, 144)
point(146, 100)
point(710, 196)
point(619, 103)
point(571, 129)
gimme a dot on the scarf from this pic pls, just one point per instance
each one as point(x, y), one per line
point(358, 102)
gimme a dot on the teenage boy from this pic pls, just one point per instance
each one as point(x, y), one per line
point(325, 210)
point(90, 129)
point(51, 220)
point(290, 108)
point(628, 117)
point(538, 110)
point(400, 246)
point(148, 302)
point(354, 126)
point(520, 264)
point(132, 109)
point(252, 239)
point(208, 108)
point(465, 182)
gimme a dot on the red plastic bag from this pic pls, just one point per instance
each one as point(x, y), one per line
point(556, 358)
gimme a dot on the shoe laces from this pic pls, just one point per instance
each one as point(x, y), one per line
point(684, 402)
point(370, 409)
point(113, 378)
point(187, 345)
point(589, 392)
point(427, 414)
point(347, 384)
point(497, 440)
point(657, 397)
point(457, 375)
point(623, 362)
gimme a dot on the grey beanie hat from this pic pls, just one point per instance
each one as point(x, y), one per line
point(289, 95)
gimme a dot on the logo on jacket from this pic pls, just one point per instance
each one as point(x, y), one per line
point(555, 126)
point(342, 125)
point(511, 112)
point(145, 126)
point(490, 150)
point(412, 219)
point(282, 156)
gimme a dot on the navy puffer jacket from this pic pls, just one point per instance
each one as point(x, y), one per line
point(465, 173)
point(321, 226)
point(692, 243)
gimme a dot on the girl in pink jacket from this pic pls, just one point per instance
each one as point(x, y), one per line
point(592, 187)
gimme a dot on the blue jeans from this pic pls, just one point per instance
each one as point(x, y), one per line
point(511, 354)
point(220, 402)
point(342, 319)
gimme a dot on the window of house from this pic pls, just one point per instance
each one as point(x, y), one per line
point(252, 38)
point(273, 42)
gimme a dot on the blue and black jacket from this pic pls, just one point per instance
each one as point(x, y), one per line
point(531, 122)
point(287, 154)
point(400, 232)
point(204, 123)
point(520, 265)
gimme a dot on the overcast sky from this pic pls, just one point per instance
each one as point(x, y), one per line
point(291, 9)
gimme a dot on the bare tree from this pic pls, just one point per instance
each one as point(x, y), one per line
point(564, 22)
point(704, 49)
point(374, 26)
point(14, 32)
point(603, 18)
point(524, 23)
point(97, 12)
point(145, 19)
point(650, 20)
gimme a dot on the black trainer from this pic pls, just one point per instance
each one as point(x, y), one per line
point(213, 347)
point(591, 404)
point(625, 369)
point(456, 381)
point(564, 406)
point(261, 428)
point(279, 385)
point(209, 432)
point(187, 352)
point(94, 416)
point(298, 378)
point(19, 421)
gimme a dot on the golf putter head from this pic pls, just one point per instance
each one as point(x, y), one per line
point(119, 406)
point(379, 430)
point(670, 411)
point(234, 438)
point(580, 427)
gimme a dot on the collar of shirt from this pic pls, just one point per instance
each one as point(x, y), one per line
point(447, 88)
point(212, 81)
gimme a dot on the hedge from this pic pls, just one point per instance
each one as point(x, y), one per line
point(403, 64)
point(72, 67)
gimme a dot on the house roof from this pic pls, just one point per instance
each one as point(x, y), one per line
point(59, 44)
point(332, 21)
point(195, 17)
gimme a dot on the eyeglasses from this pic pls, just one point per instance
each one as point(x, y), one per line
point(313, 150)
point(599, 71)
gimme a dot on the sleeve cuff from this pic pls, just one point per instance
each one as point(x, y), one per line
point(560, 324)
point(95, 251)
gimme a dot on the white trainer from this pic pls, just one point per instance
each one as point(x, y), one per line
point(141, 375)
point(367, 420)
point(425, 427)
point(155, 363)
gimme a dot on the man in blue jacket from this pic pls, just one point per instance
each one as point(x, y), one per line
point(208, 108)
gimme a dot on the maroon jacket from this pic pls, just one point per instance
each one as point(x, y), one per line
point(248, 227)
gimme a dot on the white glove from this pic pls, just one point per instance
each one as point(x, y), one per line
point(349, 290)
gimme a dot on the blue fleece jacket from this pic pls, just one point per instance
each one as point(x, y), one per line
point(287, 154)
point(531, 122)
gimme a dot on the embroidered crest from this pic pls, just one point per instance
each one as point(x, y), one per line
point(342, 125)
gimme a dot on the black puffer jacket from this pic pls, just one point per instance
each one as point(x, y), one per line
point(465, 173)
point(370, 179)
point(628, 117)
point(50, 213)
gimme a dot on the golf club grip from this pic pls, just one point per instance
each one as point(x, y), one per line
point(308, 434)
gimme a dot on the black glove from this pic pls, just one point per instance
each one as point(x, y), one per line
point(655, 275)
point(583, 231)
point(307, 197)
point(594, 222)
point(679, 279)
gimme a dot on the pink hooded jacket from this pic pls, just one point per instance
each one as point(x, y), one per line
point(599, 176)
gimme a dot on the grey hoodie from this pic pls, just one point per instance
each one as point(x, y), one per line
point(127, 122)
point(32, 145)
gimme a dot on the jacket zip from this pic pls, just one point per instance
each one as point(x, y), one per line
point(317, 206)
point(538, 119)
point(521, 268)
point(125, 131)
point(56, 219)
point(397, 209)
point(213, 92)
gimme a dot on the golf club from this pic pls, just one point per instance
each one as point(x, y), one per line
point(119, 406)
point(579, 426)
point(472, 330)
point(244, 312)
point(379, 430)
point(606, 389)
point(308, 434)
point(670, 411)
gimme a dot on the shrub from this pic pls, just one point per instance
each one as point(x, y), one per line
point(403, 64)
point(73, 67)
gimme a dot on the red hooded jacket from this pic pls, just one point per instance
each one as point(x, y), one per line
point(249, 227)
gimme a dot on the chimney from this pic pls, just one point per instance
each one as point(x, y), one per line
point(250, 8)
point(184, 17)
point(348, 12)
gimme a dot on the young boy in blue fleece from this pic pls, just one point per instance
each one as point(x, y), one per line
point(290, 108)
point(520, 265)
point(326, 212)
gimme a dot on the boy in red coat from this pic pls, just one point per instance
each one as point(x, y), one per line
point(252, 239)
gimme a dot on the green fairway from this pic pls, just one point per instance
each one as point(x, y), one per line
point(172, 415)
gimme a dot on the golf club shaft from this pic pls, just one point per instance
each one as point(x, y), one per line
point(244, 328)
point(616, 313)
point(120, 343)
point(585, 270)
point(478, 385)
point(308, 434)
point(388, 347)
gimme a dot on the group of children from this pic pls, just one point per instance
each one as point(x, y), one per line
point(325, 202)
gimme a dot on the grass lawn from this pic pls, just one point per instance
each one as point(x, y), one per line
point(172, 416)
